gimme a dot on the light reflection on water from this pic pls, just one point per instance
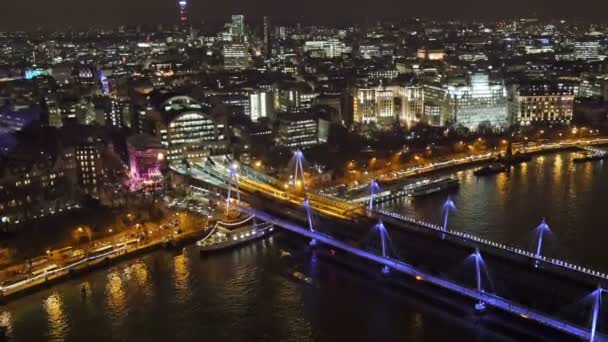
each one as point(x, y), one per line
point(116, 295)
point(57, 320)
point(182, 277)
point(247, 294)
point(506, 207)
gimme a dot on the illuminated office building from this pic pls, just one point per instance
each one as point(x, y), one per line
point(544, 103)
point(186, 130)
point(386, 105)
point(236, 56)
point(430, 54)
point(237, 28)
point(296, 130)
point(331, 48)
point(479, 101)
point(33, 186)
point(260, 105)
point(89, 165)
point(587, 50)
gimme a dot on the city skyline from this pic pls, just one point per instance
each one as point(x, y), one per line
point(70, 13)
point(432, 171)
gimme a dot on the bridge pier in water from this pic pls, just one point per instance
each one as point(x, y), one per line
point(447, 206)
point(383, 235)
point(480, 306)
point(313, 242)
point(298, 169)
point(541, 229)
point(597, 302)
point(477, 294)
point(232, 178)
point(373, 186)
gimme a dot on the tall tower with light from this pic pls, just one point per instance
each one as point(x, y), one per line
point(183, 11)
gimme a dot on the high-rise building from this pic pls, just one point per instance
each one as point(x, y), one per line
point(89, 165)
point(183, 11)
point(297, 130)
point(186, 130)
point(587, 49)
point(113, 113)
point(237, 26)
point(267, 38)
point(260, 105)
point(438, 109)
point(236, 56)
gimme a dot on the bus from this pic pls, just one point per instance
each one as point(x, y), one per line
point(101, 251)
point(44, 270)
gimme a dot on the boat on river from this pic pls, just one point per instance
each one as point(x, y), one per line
point(491, 169)
point(433, 186)
point(230, 234)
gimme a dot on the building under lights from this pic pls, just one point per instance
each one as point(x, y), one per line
point(430, 54)
point(297, 130)
point(89, 165)
point(260, 105)
point(479, 101)
point(588, 49)
point(543, 103)
point(331, 48)
point(146, 157)
point(36, 185)
point(236, 56)
point(183, 11)
point(386, 105)
point(186, 130)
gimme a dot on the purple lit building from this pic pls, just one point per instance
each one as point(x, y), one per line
point(146, 157)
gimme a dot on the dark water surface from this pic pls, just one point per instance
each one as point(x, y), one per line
point(249, 293)
point(507, 207)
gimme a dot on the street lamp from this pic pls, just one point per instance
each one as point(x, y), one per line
point(87, 232)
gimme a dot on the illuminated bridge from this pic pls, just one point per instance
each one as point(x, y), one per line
point(481, 297)
point(222, 172)
point(217, 171)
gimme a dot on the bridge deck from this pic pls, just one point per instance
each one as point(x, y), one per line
point(490, 299)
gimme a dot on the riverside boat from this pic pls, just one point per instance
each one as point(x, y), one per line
point(229, 234)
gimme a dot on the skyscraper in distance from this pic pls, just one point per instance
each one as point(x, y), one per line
point(267, 37)
point(238, 26)
point(183, 11)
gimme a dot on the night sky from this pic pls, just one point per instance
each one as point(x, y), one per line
point(29, 14)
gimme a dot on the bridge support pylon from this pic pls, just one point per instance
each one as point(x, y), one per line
point(311, 228)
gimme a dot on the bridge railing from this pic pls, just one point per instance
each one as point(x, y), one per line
point(488, 298)
point(510, 249)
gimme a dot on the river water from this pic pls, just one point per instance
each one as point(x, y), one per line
point(250, 294)
point(508, 207)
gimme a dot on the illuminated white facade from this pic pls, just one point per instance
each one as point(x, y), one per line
point(479, 101)
point(236, 56)
point(193, 135)
point(331, 48)
point(385, 105)
point(260, 105)
point(587, 50)
point(544, 103)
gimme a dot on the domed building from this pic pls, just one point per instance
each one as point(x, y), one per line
point(187, 131)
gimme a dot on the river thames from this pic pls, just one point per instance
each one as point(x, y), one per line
point(250, 293)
